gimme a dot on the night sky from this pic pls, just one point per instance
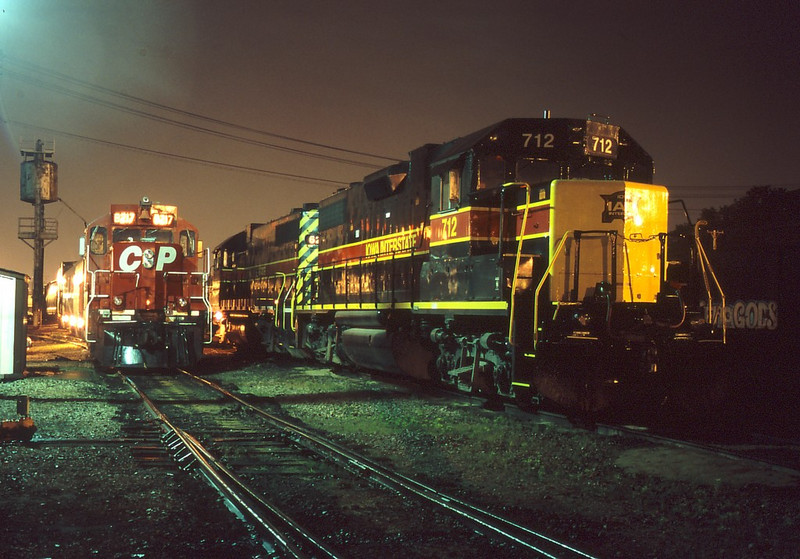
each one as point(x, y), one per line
point(710, 89)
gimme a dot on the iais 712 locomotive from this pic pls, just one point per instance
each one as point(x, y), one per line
point(139, 295)
point(526, 259)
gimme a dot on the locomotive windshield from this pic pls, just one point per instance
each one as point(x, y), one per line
point(97, 240)
point(187, 242)
point(536, 171)
point(130, 234)
point(493, 171)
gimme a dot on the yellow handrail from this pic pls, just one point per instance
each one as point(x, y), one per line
point(519, 255)
point(541, 284)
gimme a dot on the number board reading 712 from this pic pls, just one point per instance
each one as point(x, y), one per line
point(602, 140)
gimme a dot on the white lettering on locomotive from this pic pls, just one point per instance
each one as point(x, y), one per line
point(125, 263)
point(133, 256)
point(166, 255)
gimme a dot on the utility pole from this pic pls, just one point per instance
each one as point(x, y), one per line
point(38, 185)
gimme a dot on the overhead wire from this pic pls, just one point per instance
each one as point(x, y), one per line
point(186, 125)
point(116, 106)
point(202, 161)
point(94, 87)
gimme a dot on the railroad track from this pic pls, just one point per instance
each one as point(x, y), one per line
point(60, 339)
point(307, 496)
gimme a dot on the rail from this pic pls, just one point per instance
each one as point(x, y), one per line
point(283, 533)
point(488, 522)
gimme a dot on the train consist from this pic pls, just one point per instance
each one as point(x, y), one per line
point(525, 260)
point(139, 295)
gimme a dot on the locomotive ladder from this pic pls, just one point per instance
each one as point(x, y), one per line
point(92, 296)
point(539, 287)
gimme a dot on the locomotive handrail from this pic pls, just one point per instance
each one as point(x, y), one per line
point(519, 255)
point(276, 314)
point(204, 275)
point(375, 281)
point(558, 250)
point(92, 297)
point(707, 269)
point(206, 299)
point(360, 282)
point(203, 297)
point(627, 268)
point(291, 306)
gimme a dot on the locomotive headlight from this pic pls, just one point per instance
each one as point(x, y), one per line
point(117, 301)
point(148, 258)
point(182, 303)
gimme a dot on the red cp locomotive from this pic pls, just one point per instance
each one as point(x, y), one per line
point(140, 294)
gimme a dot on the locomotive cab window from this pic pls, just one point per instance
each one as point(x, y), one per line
point(98, 240)
point(157, 235)
point(454, 190)
point(446, 191)
point(491, 173)
point(537, 171)
point(187, 242)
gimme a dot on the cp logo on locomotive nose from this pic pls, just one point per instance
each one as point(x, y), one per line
point(133, 256)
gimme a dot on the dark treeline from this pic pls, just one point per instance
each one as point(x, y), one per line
point(753, 245)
